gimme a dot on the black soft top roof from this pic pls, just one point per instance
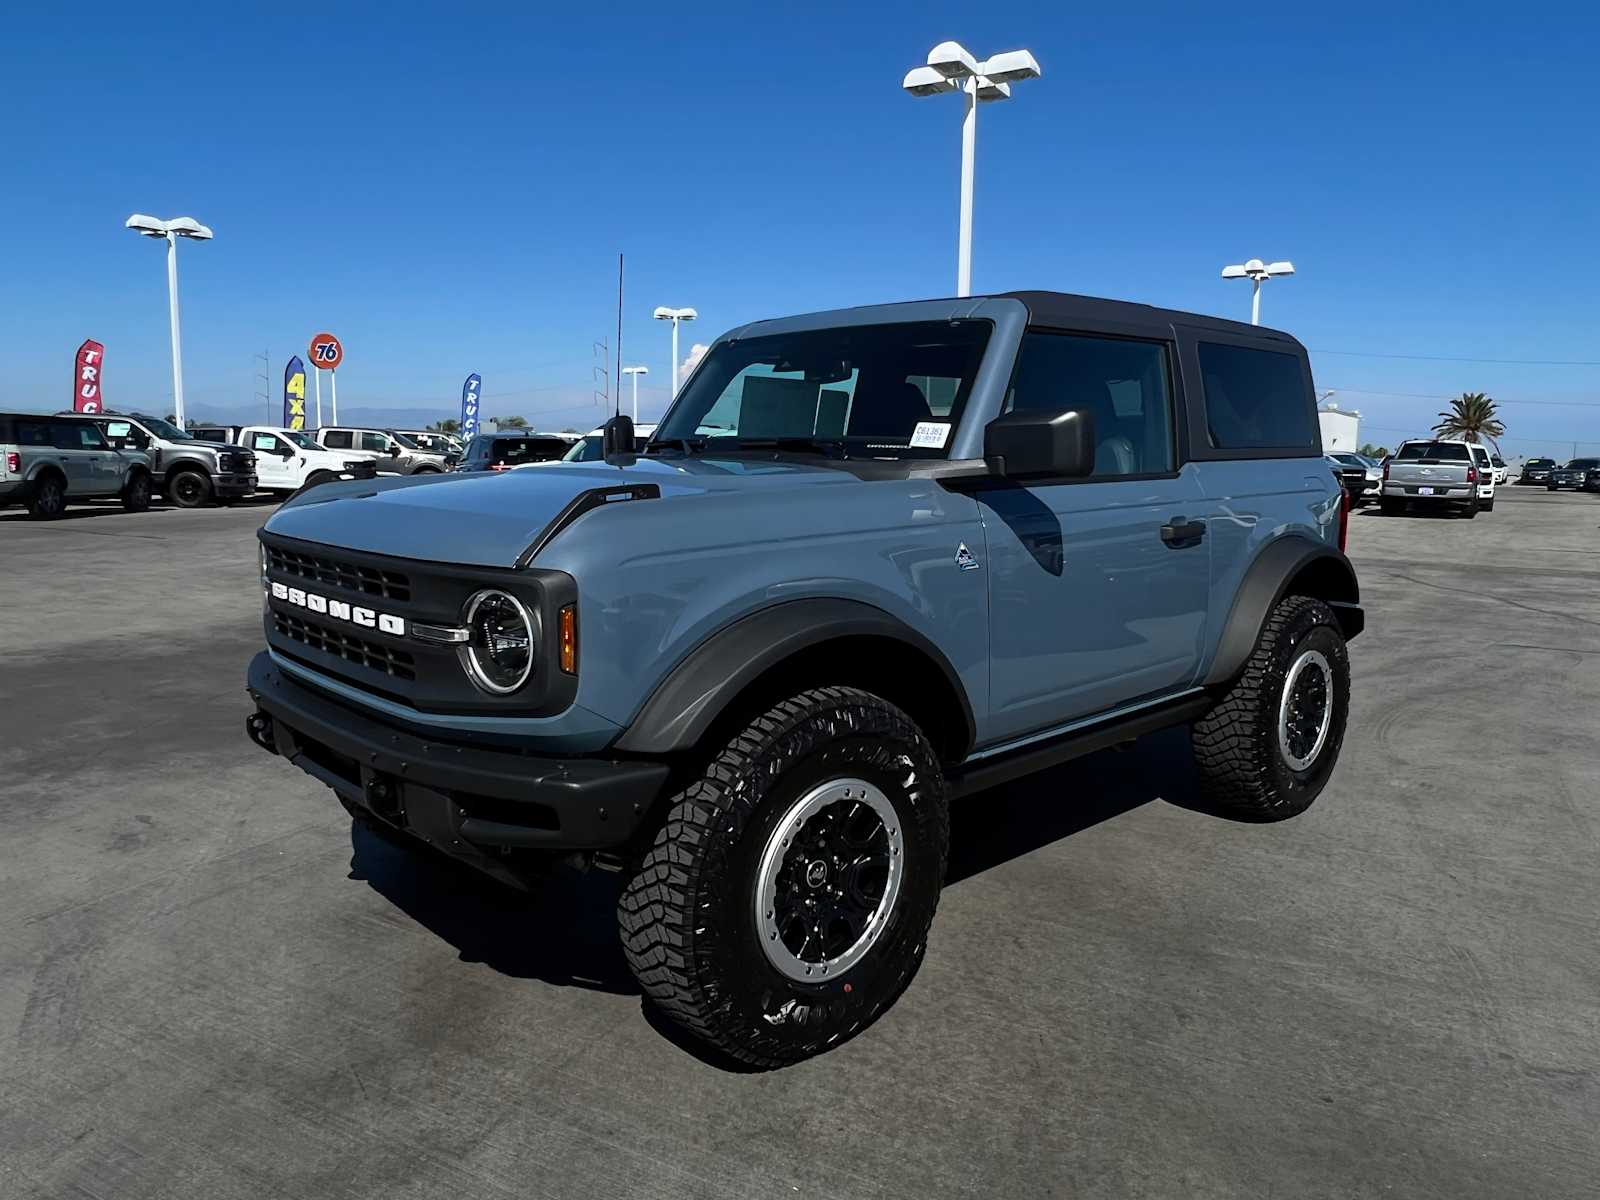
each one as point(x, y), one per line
point(1064, 308)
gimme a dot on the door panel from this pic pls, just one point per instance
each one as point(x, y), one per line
point(273, 470)
point(1090, 607)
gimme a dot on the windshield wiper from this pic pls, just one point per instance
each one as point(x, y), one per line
point(684, 445)
point(832, 447)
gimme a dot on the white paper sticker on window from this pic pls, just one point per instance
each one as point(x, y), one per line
point(930, 435)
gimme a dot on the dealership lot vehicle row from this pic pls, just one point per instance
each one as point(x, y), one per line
point(207, 985)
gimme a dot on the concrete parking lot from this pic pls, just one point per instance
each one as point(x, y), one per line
point(210, 987)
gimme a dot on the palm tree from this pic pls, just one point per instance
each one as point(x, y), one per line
point(1471, 417)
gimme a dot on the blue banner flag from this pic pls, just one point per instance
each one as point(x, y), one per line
point(469, 407)
point(294, 394)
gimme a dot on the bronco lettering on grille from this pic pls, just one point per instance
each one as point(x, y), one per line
point(340, 609)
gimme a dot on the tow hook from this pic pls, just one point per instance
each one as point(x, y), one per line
point(259, 727)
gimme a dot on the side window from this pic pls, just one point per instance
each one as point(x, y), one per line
point(76, 435)
point(1256, 399)
point(337, 439)
point(1122, 382)
point(265, 443)
point(33, 433)
point(375, 441)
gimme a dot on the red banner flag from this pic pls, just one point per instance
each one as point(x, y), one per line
point(86, 380)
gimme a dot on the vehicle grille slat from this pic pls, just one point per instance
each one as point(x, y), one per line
point(374, 655)
point(368, 581)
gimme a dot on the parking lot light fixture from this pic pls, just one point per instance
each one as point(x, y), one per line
point(952, 68)
point(170, 232)
point(676, 316)
point(1256, 272)
point(636, 372)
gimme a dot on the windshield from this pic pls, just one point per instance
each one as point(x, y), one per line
point(514, 451)
point(1583, 464)
point(879, 391)
point(164, 429)
point(1433, 452)
point(299, 439)
point(1537, 463)
point(403, 440)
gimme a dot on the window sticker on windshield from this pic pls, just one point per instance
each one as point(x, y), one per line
point(930, 435)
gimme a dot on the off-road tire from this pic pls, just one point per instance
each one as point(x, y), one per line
point(189, 488)
point(1242, 766)
point(47, 499)
point(136, 492)
point(1391, 508)
point(688, 916)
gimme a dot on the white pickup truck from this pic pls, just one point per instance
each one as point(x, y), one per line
point(289, 459)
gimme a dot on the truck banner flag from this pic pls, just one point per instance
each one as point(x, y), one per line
point(294, 394)
point(86, 381)
point(469, 406)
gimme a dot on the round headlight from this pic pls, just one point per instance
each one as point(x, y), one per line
point(500, 642)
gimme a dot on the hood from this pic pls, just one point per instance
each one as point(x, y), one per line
point(488, 519)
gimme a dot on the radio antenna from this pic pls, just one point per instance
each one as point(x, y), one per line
point(619, 335)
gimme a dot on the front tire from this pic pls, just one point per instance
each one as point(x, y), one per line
point(1267, 748)
point(786, 901)
point(189, 489)
point(136, 494)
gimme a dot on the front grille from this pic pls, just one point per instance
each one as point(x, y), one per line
point(365, 468)
point(238, 462)
point(369, 581)
point(374, 655)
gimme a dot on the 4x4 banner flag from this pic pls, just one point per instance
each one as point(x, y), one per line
point(294, 394)
point(86, 381)
point(469, 406)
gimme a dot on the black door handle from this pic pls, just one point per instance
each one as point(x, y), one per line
point(1179, 532)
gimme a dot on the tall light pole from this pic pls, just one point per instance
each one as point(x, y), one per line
point(636, 372)
point(951, 68)
point(675, 315)
point(1256, 272)
point(171, 231)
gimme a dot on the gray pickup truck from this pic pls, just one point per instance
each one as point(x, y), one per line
point(188, 471)
point(48, 463)
point(870, 560)
point(1437, 473)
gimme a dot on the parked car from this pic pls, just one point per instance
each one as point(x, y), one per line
point(869, 560)
point(589, 448)
point(392, 451)
point(47, 463)
point(1502, 473)
point(1480, 455)
point(187, 470)
point(1434, 473)
point(288, 459)
point(1360, 475)
point(511, 448)
point(1574, 475)
point(434, 442)
point(1536, 470)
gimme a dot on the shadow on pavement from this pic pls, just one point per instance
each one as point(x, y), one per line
point(79, 511)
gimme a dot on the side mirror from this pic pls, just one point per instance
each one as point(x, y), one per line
point(616, 437)
point(394, 451)
point(1031, 443)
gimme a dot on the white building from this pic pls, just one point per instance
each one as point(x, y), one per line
point(1340, 428)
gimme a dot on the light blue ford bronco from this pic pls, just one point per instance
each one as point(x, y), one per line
point(870, 560)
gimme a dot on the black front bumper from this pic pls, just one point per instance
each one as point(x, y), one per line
point(477, 805)
point(230, 486)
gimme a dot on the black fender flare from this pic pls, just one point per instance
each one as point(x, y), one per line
point(697, 691)
point(186, 464)
point(1266, 581)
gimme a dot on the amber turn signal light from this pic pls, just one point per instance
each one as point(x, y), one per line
point(567, 637)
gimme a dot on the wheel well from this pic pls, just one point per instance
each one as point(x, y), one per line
point(885, 666)
point(188, 464)
point(42, 472)
point(1328, 579)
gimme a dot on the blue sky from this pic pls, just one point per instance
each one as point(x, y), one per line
point(447, 188)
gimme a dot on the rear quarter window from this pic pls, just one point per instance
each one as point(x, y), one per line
point(1256, 400)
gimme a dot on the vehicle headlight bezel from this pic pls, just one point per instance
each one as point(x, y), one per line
point(477, 654)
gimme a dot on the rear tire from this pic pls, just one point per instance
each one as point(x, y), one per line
point(1470, 511)
point(1489, 507)
point(189, 488)
point(1391, 508)
point(48, 499)
point(1266, 749)
point(1550, 487)
point(828, 808)
point(136, 493)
